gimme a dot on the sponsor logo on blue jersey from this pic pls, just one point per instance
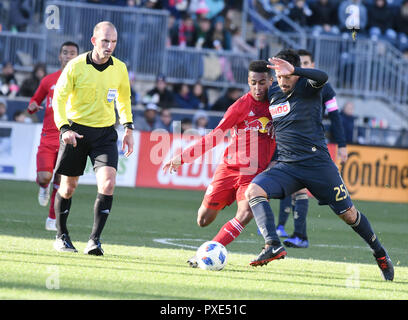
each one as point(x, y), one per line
point(279, 110)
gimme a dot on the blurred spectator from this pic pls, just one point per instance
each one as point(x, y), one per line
point(203, 29)
point(133, 3)
point(172, 31)
point(201, 94)
point(347, 117)
point(164, 121)
point(21, 13)
point(184, 98)
point(21, 116)
point(224, 64)
point(147, 122)
point(186, 124)
point(200, 122)
point(198, 8)
point(218, 32)
point(8, 82)
point(324, 17)
point(153, 4)
point(186, 32)
point(223, 102)
point(352, 13)
point(401, 26)
point(300, 13)
point(177, 8)
point(268, 8)
point(380, 21)
point(402, 140)
point(160, 94)
point(134, 96)
point(3, 109)
point(240, 45)
point(263, 46)
point(215, 7)
point(31, 84)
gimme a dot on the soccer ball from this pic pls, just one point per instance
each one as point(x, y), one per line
point(211, 255)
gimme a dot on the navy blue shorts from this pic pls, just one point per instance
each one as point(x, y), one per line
point(321, 178)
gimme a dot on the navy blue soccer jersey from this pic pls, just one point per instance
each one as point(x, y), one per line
point(297, 120)
point(330, 105)
point(328, 94)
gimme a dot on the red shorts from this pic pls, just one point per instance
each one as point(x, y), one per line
point(227, 186)
point(47, 154)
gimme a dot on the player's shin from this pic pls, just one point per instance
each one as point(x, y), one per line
point(229, 232)
point(300, 213)
point(284, 210)
point(61, 207)
point(265, 219)
point(102, 208)
point(363, 228)
point(51, 213)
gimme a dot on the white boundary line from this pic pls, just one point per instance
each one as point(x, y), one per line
point(173, 242)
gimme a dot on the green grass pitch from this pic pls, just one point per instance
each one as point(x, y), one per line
point(151, 233)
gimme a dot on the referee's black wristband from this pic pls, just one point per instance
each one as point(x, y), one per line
point(65, 128)
point(128, 125)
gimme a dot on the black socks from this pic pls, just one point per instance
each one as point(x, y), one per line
point(61, 208)
point(102, 207)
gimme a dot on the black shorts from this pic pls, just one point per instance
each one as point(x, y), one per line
point(100, 144)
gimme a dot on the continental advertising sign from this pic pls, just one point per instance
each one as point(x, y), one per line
point(376, 174)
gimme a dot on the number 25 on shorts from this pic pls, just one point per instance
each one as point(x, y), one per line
point(341, 192)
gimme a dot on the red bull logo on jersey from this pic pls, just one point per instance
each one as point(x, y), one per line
point(262, 124)
point(279, 110)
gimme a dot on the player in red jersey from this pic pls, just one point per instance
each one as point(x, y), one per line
point(249, 153)
point(49, 143)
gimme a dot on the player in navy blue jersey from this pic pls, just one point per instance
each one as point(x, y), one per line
point(299, 201)
point(303, 160)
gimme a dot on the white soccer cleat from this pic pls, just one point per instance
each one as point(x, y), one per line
point(50, 224)
point(44, 196)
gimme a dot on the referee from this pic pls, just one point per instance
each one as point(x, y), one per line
point(84, 112)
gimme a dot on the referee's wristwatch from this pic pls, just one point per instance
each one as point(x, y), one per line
point(128, 125)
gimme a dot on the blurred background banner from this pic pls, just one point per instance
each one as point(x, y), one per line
point(376, 173)
point(18, 148)
point(370, 173)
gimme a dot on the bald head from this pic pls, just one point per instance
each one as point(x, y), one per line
point(104, 41)
point(103, 25)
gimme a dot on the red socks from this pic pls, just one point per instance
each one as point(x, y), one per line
point(229, 232)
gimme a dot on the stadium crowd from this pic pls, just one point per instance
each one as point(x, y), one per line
point(215, 24)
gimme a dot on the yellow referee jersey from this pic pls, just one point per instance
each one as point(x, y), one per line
point(86, 96)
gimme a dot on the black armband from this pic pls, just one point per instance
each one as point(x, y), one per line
point(128, 125)
point(65, 128)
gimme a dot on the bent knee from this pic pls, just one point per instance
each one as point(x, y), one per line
point(350, 216)
point(253, 191)
point(205, 216)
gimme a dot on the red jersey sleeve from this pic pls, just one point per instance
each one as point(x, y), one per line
point(39, 94)
point(234, 114)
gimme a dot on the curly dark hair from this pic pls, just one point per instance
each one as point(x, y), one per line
point(290, 56)
point(259, 66)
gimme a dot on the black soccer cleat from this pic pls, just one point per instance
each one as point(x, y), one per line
point(94, 248)
point(386, 267)
point(268, 254)
point(63, 244)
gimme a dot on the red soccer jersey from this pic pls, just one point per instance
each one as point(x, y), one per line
point(46, 90)
point(252, 139)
